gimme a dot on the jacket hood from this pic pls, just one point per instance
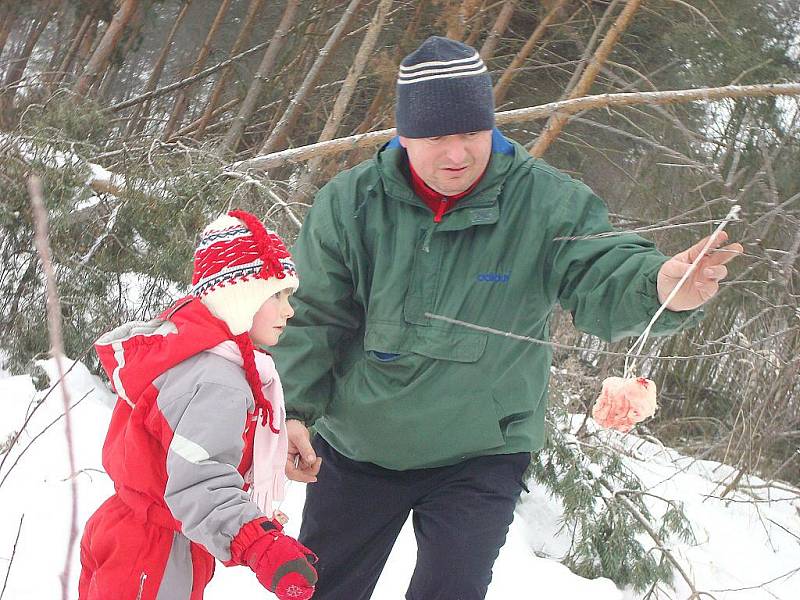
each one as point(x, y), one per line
point(133, 355)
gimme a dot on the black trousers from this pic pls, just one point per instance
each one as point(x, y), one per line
point(354, 513)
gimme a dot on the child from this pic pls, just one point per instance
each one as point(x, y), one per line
point(199, 420)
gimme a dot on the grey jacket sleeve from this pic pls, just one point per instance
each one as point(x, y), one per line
point(204, 489)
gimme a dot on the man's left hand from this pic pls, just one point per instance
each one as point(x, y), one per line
point(703, 283)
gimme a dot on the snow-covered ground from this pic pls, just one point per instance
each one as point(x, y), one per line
point(741, 544)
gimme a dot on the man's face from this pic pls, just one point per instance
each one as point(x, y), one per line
point(450, 164)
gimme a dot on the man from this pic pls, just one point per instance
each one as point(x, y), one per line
point(417, 415)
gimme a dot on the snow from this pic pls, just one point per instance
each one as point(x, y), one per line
point(741, 544)
point(99, 173)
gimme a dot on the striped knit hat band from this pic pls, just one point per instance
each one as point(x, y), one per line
point(238, 265)
point(441, 69)
point(443, 88)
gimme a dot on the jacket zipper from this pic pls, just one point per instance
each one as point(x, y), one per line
point(426, 243)
point(437, 218)
point(142, 579)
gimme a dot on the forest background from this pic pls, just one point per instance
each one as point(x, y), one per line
point(145, 118)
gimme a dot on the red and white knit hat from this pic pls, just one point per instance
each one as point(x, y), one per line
point(238, 265)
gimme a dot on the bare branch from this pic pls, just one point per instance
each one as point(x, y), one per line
point(501, 87)
point(183, 82)
point(13, 554)
point(631, 508)
point(99, 60)
point(57, 346)
point(498, 29)
point(373, 138)
point(286, 121)
point(557, 121)
point(264, 69)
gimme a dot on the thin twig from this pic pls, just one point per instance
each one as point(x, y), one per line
point(184, 82)
point(761, 585)
point(13, 553)
point(39, 404)
point(631, 507)
point(42, 243)
point(37, 436)
point(277, 199)
point(525, 338)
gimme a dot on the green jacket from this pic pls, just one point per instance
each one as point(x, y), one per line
point(385, 384)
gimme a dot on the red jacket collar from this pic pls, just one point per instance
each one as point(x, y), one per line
point(437, 202)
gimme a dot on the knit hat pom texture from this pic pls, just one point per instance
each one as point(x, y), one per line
point(238, 265)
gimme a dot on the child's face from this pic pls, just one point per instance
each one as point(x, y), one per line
point(271, 318)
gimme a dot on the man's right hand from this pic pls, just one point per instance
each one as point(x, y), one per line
point(302, 464)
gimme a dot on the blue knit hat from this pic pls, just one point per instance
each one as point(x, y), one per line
point(442, 89)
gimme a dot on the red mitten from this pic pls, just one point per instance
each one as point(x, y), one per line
point(624, 402)
point(281, 564)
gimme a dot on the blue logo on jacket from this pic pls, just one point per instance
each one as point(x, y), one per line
point(494, 277)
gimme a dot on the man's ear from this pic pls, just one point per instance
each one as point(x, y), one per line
point(403, 141)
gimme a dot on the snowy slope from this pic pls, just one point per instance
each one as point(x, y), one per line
point(740, 544)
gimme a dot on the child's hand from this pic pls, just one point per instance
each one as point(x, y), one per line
point(280, 517)
point(281, 563)
point(302, 464)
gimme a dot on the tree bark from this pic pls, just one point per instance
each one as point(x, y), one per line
point(349, 85)
point(135, 124)
point(498, 29)
point(61, 38)
point(250, 102)
point(476, 27)
point(457, 24)
point(219, 85)
point(313, 171)
point(383, 96)
point(289, 116)
point(182, 101)
point(501, 87)
point(89, 43)
point(134, 27)
point(7, 18)
point(72, 51)
point(587, 51)
point(557, 121)
point(102, 54)
point(20, 62)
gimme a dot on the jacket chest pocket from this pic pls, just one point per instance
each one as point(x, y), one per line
point(386, 343)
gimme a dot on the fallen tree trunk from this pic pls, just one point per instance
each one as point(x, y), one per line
point(104, 181)
point(373, 138)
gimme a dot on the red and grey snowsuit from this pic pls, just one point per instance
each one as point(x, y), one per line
point(178, 446)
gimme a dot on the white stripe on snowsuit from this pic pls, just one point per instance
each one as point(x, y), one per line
point(124, 333)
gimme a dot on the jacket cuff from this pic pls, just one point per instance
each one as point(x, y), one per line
point(669, 321)
point(293, 415)
point(247, 536)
